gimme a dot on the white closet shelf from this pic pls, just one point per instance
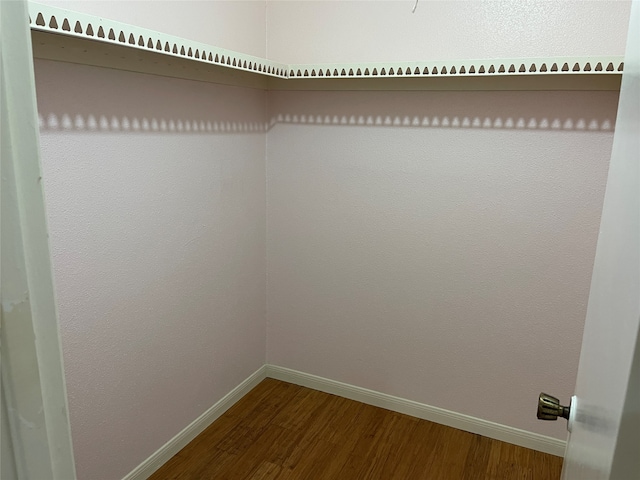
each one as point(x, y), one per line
point(64, 35)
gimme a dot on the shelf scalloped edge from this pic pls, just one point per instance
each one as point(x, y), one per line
point(463, 68)
point(60, 21)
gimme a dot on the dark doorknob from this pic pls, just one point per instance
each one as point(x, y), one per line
point(549, 408)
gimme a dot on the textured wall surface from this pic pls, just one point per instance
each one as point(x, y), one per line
point(238, 25)
point(384, 30)
point(155, 189)
point(436, 246)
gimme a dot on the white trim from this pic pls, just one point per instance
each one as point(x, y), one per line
point(177, 443)
point(97, 32)
point(33, 380)
point(459, 68)
point(460, 421)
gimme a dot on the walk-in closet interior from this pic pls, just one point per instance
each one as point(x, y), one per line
point(396, 201)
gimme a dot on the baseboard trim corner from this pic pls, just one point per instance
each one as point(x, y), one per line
point(460, 421)
point(191, 431)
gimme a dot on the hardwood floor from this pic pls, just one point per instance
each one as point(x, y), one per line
point(283, 431)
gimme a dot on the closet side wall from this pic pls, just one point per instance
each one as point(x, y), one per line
point(155, 190)
point(436, 246)
point(338, 31)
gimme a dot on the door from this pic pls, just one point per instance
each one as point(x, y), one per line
point(36, 440)
point(604, 442)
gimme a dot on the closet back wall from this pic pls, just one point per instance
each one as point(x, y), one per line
point(342, 31)
point(436, 246)
point(155, 191)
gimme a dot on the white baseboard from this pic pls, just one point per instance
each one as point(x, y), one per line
point(434, 414)
point(467, 423)
point(177, 443)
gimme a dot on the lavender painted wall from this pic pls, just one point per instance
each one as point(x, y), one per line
point(418, 242)
point(155, 190)
point(337, 31)
point(436, 246)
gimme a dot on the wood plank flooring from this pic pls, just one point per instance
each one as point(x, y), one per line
point(283, 431)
